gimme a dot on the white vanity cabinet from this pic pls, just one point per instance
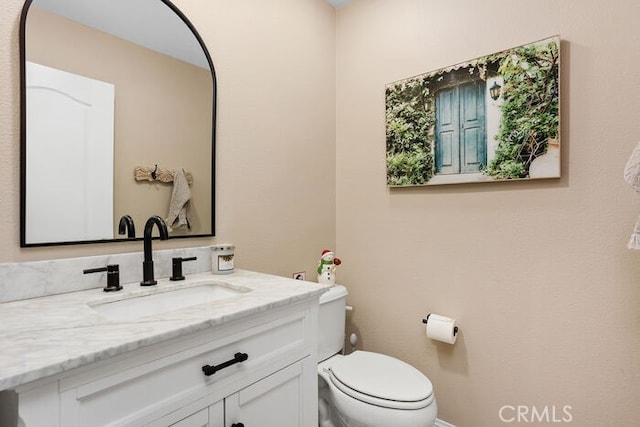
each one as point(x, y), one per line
point(164, 384)
point(276, 401)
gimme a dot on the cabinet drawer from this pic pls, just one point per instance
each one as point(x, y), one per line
point(164, 383)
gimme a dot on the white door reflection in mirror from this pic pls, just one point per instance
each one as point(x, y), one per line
point(69, 156)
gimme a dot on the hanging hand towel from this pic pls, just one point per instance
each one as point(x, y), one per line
point(632, 170)
point(180, 197)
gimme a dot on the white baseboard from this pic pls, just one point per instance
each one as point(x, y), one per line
point(440, 423)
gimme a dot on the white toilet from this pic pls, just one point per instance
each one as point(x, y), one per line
point(365, 389)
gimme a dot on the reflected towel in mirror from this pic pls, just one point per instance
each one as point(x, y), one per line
point(632, 170)
point(632, 177)
point(178, 207)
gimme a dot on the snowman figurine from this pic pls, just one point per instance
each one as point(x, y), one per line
point(327, 268)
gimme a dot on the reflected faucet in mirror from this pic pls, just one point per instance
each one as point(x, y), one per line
point(126, 226)
point(147, 266)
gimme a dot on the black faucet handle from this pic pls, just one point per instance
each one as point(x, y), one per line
point(176, 264)
point(113, 276)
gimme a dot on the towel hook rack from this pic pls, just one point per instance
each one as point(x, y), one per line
point(142, 173)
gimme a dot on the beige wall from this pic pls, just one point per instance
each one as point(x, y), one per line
point(536, 273)
point(275, 133)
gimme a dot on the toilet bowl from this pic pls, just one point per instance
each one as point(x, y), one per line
point(365, 389)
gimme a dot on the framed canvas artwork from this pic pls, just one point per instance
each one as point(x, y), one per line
point(493, 118)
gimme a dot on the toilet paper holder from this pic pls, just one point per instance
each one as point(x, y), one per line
point(426, 320)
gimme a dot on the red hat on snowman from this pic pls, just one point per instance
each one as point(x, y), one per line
point(327, 255)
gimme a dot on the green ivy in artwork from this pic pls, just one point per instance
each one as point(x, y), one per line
point(409, 127)
point(529, 110)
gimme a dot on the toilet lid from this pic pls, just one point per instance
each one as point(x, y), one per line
point(381, 378)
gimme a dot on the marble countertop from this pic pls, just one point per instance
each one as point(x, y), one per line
point(45, 336)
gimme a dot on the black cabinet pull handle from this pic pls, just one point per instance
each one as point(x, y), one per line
point(212, 369)
point(237, 425)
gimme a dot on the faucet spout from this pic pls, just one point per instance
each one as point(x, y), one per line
point(147, 266)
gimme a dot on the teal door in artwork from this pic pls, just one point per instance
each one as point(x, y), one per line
point(461, 141)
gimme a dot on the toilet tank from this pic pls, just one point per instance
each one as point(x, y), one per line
point(331, 321)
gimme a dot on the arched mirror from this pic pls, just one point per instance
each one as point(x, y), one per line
point(118, 118)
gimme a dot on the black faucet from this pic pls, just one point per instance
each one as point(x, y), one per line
point(147, 265)
point(126, 225)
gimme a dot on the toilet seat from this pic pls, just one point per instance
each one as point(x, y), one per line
point(381, 380)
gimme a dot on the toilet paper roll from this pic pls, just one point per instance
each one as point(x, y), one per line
point(442, 328)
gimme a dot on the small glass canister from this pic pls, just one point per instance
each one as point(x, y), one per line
point(222, 259)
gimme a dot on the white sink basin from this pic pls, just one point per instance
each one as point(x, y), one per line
point(165, 301)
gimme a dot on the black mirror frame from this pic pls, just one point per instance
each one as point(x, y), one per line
point(23, 135)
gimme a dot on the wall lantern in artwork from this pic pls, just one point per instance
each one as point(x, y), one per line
point(428, 104)
point(492, 118)
point(495, 91)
